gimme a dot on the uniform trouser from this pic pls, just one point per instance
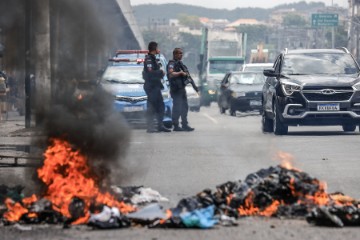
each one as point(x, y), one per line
point(180, 107)
point(155, 106)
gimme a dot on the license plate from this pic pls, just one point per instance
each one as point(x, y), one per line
point(134, 109)
point(328, 107)
point(255, 103)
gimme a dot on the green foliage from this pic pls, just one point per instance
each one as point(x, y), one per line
point(166, 44)
point(256, 34)
point(294, 20)
point(144, 12)
point(189, 43)
point(341, 39)
point(189, 21)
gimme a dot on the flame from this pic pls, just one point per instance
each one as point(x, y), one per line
point(341, 199)
point(28, 201)
point(168, 216)
point(248, 207)
point(319, 198)
point(15, 210)
point(286, 160)
point(67, 175)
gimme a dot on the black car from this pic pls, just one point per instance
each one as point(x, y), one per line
point(311, 87)
point(241, 91)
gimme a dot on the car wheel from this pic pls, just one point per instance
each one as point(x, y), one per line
point(267, 124)
point(278, 126)
point(205, 103)
point(349, 128)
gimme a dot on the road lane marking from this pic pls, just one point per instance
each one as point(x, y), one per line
point(210, 118)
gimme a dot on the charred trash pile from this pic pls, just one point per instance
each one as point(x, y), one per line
point(272, 192)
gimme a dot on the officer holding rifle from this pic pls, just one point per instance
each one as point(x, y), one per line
point(179, 77)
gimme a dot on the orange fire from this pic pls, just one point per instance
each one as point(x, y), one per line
point(168, 215)
point(15, 210)
point(286, 160)
point(67, 175)
point(319, 198)
point(248, 208)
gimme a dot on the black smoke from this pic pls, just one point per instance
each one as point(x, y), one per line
point(80, 111)
point(83, 34)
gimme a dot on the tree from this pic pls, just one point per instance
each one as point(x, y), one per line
point(341, 38)
point(167, 43)
point(294, 20)
point(189, 21)
point(256, 34)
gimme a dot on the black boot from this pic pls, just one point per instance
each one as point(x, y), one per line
point(177, 128)
point(187, 128)
point(162, 128)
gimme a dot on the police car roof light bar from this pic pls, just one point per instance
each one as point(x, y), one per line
point(138, 60)
point(119, 60)
point(131, 51)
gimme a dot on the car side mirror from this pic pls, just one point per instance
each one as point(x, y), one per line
point(269, 72)
point(224, 85)
point(349, 70)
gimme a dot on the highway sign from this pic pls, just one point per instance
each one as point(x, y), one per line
point(324, 19)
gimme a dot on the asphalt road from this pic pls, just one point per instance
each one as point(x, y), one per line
point(224, 148)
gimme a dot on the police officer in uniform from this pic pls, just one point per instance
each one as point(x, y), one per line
point(177, 78)
point(155, 103)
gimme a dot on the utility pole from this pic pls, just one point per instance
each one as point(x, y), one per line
point(332, 29)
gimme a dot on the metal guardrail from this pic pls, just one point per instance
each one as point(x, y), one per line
point(8, 161)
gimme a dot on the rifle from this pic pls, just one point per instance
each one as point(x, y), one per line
point(188, 78)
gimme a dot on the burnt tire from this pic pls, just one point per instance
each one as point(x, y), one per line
point(349, 128)
point(266, 124)
point(196, 109)
point(279, 127)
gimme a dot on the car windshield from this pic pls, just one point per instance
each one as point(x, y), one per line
point(224, 66)
point(319, 63)
point(258, 68)
point(247, 78)
point(130, 75)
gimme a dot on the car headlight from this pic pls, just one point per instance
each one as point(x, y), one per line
point(238, 94)
point(356, 87)
point(289, 88)
point(210, 91)
point(165, 94)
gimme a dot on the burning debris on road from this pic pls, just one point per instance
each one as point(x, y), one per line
point(273, 192)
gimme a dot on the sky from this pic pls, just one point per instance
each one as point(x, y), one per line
point(232, 4)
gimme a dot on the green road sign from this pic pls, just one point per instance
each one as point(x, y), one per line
point(324, 19)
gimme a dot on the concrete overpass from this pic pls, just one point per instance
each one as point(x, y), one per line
point(64, 40)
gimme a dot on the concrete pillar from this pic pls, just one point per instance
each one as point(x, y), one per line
point(41, 51)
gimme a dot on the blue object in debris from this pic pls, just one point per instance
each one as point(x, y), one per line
point(200, 218)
